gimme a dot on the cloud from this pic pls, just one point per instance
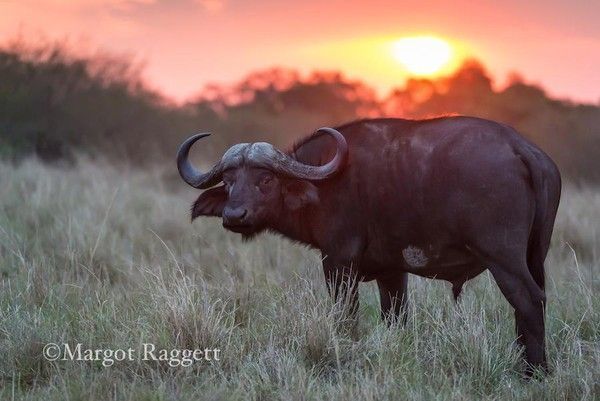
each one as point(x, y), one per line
point(212, 6)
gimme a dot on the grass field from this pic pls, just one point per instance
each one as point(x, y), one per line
point(109, 259)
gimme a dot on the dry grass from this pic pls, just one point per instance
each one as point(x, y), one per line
point(108, 258)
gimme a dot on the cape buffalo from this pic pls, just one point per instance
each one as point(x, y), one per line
point(443, 198)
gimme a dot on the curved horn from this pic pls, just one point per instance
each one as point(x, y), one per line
point(289, 166)
point(189, 173)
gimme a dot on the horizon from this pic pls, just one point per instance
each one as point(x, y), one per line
point(179, 62)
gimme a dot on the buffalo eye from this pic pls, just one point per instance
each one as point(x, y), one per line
point(265, 181)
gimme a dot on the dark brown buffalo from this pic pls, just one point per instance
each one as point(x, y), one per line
point(443, 198)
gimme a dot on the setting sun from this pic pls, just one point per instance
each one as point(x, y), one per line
point(422, 55)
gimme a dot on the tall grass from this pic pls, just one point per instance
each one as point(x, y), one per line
point(108, 258)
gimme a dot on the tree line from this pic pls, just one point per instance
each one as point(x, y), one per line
point(55, 105)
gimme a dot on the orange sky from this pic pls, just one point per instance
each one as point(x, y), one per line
point(188, 43)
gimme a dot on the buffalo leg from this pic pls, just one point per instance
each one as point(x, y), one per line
point(457, 286)
point(392, 296)
point(525, 296)
point(342, 284)
point(519, 325)
point(470, 272)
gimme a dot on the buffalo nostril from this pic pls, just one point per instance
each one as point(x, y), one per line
point(235, 216)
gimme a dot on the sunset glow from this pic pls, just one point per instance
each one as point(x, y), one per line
point(422, 55)
point(186, 44)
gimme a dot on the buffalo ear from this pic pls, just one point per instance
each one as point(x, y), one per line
point(210, 203)
point(299, 193)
